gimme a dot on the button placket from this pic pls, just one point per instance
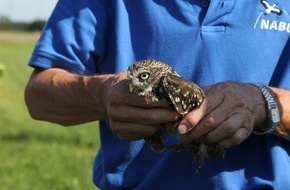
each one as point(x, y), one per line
point(216, 16)
point(205, 3)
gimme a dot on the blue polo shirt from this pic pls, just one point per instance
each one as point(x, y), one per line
point(204, 41)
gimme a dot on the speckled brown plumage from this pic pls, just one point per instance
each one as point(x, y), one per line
point(157, 80)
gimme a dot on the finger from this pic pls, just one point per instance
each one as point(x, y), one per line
point(236, 139)
point(193, 117)
point(210, 122)
point(147, 116)
point(227, 128)
point(221, 124)
point(213, 99)
point(133, 131)
point(216, 110)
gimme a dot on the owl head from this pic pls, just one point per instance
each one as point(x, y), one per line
point(144, 77)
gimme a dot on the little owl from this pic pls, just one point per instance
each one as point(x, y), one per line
point(155, 79)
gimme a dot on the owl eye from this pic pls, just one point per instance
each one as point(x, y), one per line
point(144, 76)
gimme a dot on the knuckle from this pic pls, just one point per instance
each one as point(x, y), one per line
point(113, 113)
point(116, 128)
point(122, 133)
point(149, 130)
point(190, 120)
point(211, 123)
point(230, 130)
point(146, 118)
point(246, 132)
point(236, 140)
point(238, 103)
point(225, 86)
point(228, 88)
point(230, 143)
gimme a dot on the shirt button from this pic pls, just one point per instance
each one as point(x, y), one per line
point(205, 3)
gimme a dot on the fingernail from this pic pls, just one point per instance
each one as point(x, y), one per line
point(182, 128)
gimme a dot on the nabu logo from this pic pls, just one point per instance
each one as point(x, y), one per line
point(271, 8)
point(273, 17)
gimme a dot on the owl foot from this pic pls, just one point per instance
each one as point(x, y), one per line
point(201, 153)
point(155, 142)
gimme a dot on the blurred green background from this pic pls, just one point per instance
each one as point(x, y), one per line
point(37, 155)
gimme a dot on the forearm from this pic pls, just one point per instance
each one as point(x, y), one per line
point(283, 99)
point(58, 96)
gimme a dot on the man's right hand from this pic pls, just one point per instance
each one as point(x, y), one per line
point(58, 96)
point(134, 117)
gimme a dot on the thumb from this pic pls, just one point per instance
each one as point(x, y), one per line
point(192, 119)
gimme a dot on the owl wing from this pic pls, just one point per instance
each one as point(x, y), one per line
point(184, 95)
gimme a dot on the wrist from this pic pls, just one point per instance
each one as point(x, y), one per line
point(97, 87)
point(272, 112)
point(103, 90)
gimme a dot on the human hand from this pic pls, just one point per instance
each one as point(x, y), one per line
point(134, 117)
point(227, 116)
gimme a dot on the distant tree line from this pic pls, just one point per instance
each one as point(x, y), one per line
point(6, 24)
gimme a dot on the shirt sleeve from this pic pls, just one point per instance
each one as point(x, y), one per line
point(73, 38)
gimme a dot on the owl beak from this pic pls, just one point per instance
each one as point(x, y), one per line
point(131, 87)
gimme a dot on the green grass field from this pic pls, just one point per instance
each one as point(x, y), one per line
point(37, 155)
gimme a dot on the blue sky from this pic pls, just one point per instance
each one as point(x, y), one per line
point(26, 10)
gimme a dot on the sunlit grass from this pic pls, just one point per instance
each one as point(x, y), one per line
point(38, 155)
